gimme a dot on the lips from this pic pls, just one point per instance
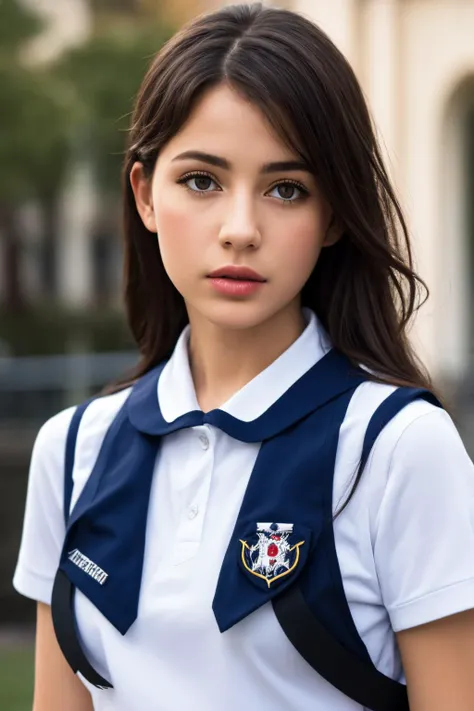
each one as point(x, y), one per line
point(236, 273)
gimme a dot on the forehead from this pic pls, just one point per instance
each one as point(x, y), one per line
point(225, 123)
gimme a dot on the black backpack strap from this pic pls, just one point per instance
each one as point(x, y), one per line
point(62, 601)
point(62, 611)
point(353, 676)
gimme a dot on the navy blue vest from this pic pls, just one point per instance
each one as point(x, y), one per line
point(283, 534)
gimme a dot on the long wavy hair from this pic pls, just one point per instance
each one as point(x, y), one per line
point(363, 289)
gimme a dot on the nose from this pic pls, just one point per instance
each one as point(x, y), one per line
point(240, 229)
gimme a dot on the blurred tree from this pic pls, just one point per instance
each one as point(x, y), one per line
point(33, 144)
point(17, 25)
point(77, 110)
point(105, 74)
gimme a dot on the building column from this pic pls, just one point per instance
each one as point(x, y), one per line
point(453, 257)
point(74, 249)
point(380, 49)
point(338, 18)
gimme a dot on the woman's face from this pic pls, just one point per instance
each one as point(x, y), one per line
point(227, 193)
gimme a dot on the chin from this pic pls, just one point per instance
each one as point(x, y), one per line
point(237, 316)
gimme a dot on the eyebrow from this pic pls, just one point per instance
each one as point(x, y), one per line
point(226, 165)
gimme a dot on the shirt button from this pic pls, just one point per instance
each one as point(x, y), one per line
point(193, 511)
point(204, 441)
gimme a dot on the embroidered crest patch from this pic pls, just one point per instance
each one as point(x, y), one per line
point(271, 554)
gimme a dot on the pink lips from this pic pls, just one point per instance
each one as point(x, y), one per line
point(236, 281)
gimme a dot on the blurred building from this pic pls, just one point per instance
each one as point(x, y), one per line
point(415, 60)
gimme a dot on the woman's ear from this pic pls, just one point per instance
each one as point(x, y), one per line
point(141, 186)
point(334, 232)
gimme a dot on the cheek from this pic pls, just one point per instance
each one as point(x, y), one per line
point(173, 222)
point(177, 232)
point(299, 246)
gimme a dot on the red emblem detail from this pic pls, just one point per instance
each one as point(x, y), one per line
point(272, 550)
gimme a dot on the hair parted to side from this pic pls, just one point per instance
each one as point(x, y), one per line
point(363, 288)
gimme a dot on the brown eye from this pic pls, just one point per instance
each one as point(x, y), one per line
point(198, 183)
point(202, 182)
point(288, 192)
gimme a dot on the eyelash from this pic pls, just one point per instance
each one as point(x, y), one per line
point(201, 193)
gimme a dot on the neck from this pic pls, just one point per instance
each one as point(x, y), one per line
point(223, 360)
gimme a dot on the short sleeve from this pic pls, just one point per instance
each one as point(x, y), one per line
point(43, 525)
point(424, 533)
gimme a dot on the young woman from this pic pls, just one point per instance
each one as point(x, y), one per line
point(274, 512)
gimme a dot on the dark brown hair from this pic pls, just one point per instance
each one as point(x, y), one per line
point(363, 289)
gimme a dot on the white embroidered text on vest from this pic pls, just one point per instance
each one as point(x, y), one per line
point(88, 566)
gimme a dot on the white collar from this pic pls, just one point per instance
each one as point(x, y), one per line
point(177, 395)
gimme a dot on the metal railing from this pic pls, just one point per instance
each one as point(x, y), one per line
point(35, 387)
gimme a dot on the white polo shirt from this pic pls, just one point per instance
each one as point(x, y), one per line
point(405, 545)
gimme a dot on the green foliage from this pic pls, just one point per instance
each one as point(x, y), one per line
point(18, 24)
point(78, 108)
point(34, 117)
point(34, 134)
point(105, 74)
point(53, 116)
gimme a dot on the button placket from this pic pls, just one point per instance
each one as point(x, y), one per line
point(193, 511)
point(204, 440)
point(191, 526)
